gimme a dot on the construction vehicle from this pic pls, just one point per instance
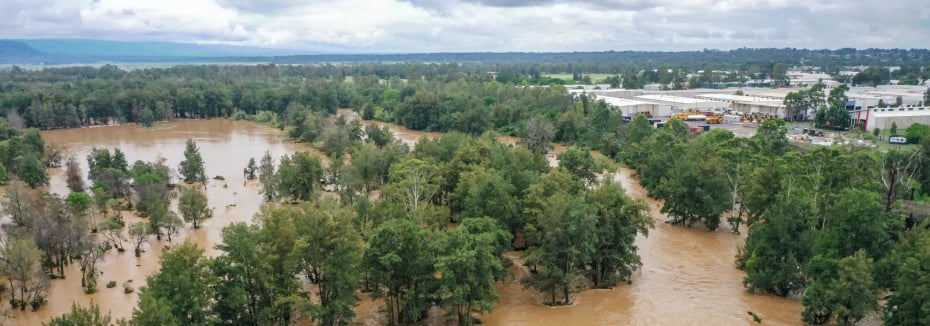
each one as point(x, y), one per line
point(715, 120)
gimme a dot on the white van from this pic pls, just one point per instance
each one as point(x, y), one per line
point(897, 140)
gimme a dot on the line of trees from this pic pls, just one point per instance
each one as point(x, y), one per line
point(834, 225)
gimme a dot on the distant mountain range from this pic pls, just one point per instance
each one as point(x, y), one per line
point(65, 51)
point(88, 51)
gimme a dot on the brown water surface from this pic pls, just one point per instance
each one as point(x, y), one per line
point(688, 278)
point(226, 146)
point(688, 275)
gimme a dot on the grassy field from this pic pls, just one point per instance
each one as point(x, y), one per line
point(568, 77)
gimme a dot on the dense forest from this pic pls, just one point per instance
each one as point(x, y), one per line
point(428, 227)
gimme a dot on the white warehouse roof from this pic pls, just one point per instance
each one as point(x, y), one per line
point(901, 112)
point(672, 99)
point(621, 102)
point(738, 98)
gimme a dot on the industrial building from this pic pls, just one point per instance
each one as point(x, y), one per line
point(669, 104)
point(750, 104)
point(630, 107)
point(882, 118)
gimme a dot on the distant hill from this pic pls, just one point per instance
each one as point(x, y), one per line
point(87, 51)
point(100, 48)
point(18, 52)
point(67, 51)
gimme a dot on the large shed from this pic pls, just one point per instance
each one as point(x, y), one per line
point(669, 104)
point(629, 107)
point(750, 104)
point(883, 117)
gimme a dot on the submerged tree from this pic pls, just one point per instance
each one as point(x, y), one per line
point(183, 283)
point(564, 234)
point(21, 266)
point(268, 177)
point(469, 266)
point(193, 206)
point(537, 134)
point(401, 268)
point(82, 316)
point(74, 177)
point(250, 169)
point(619, 220)
point(191, 168)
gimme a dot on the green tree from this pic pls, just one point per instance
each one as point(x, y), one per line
point(146, 117)
point(579, 162)
point(182, 284)
point(366, 166)
point(483, 192)
point(330, 253)
point(779, 244)
point(336, 139)
point(537, 134)
point(564, 234)
point(193, 206)
point(909, 304)
point(412, 182)
point(619, 220)
point(469, 266)
point(21, 267)
point(245, 296)
point(299, 176)
point(771, 138)
point(915, 132)
point(31, 171)
point(697, 188)
point(894, 129)
point(81, 316)
point(268, 177)
point(191, 168)
point(853, 292)
point(855, 222)
point(400, 265)
point(154, 311)
point(640, 129)
point(835, 116)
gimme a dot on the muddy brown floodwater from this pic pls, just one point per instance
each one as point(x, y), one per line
point(687, 278)
point(226, 146)
point(688, 275)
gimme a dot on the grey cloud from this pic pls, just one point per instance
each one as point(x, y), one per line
point(593, 4)
point(265, 6)
point(492, 25)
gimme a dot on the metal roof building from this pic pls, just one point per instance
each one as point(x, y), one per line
point(629, 107)
point(669, 104)
point(750, 104)
point(902, 117)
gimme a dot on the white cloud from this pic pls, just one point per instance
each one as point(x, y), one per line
point(481, 25)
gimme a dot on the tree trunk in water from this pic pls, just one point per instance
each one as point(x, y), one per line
point(892, 187)
point(567, 300)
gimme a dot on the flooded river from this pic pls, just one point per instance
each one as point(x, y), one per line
point(688, 275)
point(226, 146)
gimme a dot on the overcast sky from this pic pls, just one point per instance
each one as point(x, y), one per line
point(481, 25)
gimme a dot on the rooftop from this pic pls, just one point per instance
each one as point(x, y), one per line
point(620, 102)
point(901, 112)
point(672, 99)
point(739, 98)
